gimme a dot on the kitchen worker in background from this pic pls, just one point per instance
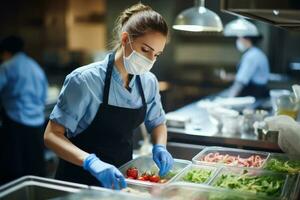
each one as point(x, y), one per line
point(253, 69)
point(23, 92)
point(102, 103)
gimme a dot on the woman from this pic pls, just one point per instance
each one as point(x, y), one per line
point(102, 103)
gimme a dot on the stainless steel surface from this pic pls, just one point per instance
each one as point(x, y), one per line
point(281, 13)
point(37, 188)
point(183, 150)
point(201, 131)
point(268, 135)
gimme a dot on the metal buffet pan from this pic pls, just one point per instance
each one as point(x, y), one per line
point(37, 188)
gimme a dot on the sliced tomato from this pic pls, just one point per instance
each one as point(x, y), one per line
point(162, 181)
point(154, 178)
point(146, 176)
point(141, 178)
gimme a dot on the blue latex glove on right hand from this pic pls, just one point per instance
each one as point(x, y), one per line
point(162, 158)
point(108, 175)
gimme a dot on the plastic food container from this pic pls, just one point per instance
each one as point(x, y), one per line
point(197, 180)
point(103, 195)
point(284, 191)
point(146, 164)
point(182, 191)
point(136, 189)
point(282, 163)
point(229, 154)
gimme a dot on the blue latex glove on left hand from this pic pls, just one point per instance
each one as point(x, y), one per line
point(162, 158)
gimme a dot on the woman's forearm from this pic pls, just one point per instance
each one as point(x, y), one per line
point(159, 135)
point(235, 89)
point(56, 141)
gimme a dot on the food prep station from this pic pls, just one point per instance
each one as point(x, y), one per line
point(191, 124)
point(213, 173)
point(209, 163)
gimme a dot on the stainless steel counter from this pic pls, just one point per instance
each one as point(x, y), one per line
point(37, 188)
point(201, 131)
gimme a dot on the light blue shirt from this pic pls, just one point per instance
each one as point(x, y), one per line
point(23, 90)
point(82, 94)
point(254, 67)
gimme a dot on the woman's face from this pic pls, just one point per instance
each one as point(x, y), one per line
point(150, 45)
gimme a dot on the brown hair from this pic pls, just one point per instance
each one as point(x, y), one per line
point(138, 20)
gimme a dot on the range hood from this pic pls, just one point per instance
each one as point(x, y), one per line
point(282, 13)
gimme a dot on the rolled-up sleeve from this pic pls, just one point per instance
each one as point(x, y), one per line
point(72, 103)
point(155, 114)
point(246, 70)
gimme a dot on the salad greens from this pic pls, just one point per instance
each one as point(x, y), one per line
point(155, 170)
point(264, 184)
point(197, 175)
point(169, 175)
point(287, 166)
point(231, 197)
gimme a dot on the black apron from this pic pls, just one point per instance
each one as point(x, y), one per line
point(109, 135)
point(21, 150)
point(252, 89)
point(255, 90)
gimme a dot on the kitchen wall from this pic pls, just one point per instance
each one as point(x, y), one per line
point(65, 34)
point(60, 34)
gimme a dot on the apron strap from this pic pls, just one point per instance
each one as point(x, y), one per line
point(110, 65)
point(141, 90)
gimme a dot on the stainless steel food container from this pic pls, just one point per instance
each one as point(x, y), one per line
point(37, 188)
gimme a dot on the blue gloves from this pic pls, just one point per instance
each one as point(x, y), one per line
point(107, 174)
point(162, 158)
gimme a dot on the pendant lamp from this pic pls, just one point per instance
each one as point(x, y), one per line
point(198, 19)
point(240, 27)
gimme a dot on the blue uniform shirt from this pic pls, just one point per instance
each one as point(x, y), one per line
point(23, 90)
point(82, 94)
point(254, 67)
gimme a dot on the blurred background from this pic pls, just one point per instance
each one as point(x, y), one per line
point(62, 35)
point(65, 34)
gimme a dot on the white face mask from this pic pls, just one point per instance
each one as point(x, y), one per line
point(136, 63)
point(240, 46)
